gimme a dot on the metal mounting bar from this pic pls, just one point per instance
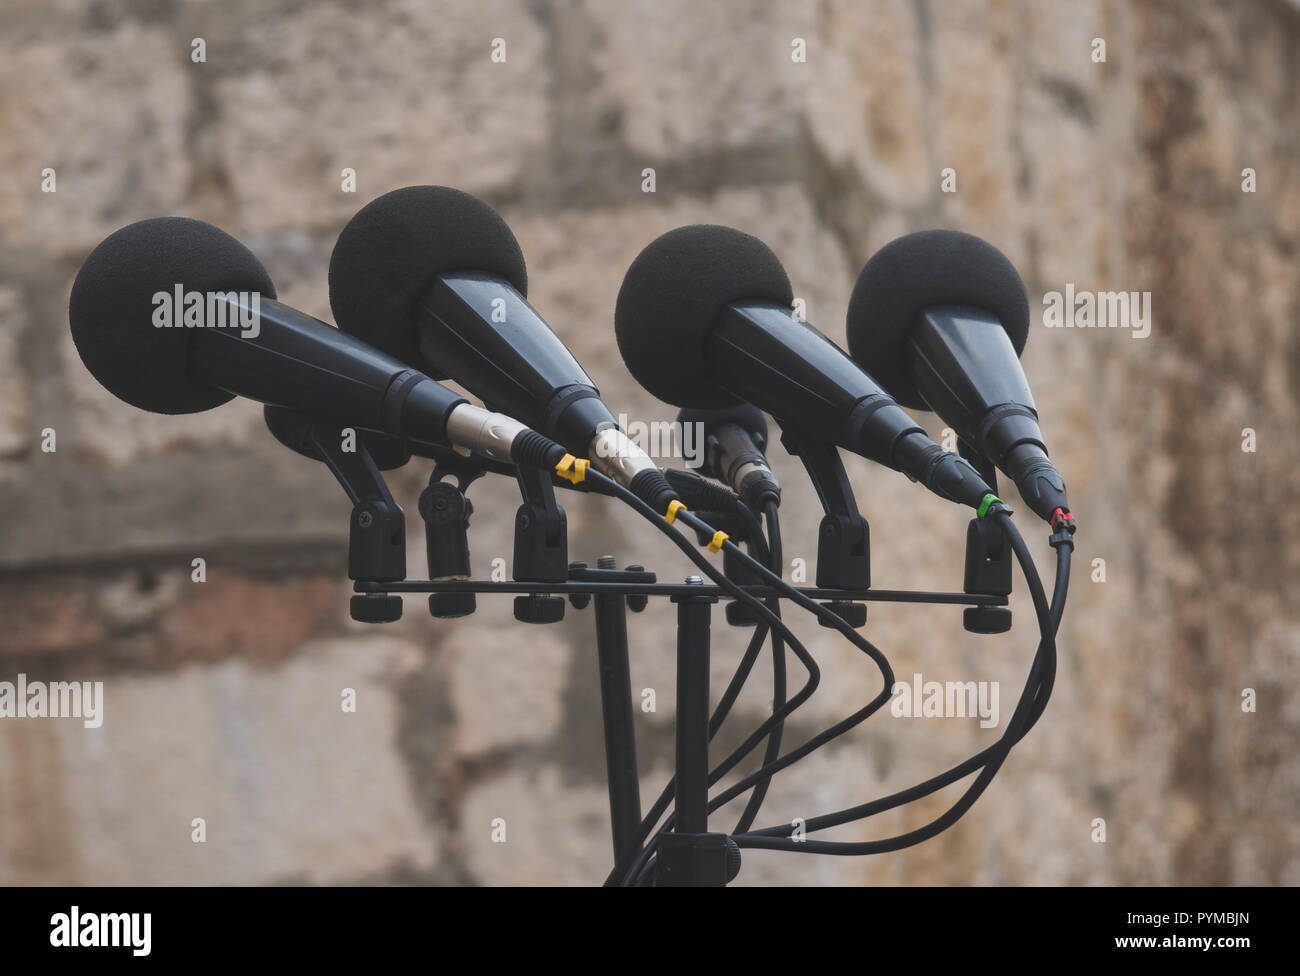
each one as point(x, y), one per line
point(679, 589)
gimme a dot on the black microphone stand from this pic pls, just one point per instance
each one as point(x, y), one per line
point(690, 854)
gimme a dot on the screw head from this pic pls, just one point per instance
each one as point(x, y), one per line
point(365, 520)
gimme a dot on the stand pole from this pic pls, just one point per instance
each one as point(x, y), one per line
point(689, 854)
point(618, 716)
point(692, 795)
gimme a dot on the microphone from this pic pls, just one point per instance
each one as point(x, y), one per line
point(175, 316)
point(734, 441)
point(941, 317)
point(703, 320)
point(435, 277)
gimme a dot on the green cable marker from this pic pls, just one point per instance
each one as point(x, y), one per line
point(987, 502)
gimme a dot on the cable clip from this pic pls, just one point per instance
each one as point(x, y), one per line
point(1062, 529)
point(719, 538)
point(572, 468)
point(990, 502)
point(674, 507)
point(1063, 520)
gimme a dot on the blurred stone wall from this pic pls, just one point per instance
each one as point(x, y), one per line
point(223, 698)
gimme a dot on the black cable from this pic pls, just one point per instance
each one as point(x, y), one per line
point(605, 485)
point(746, 665)
point(775, 562)
point(738, 680)
point(827, 735)
point(640, 863)
point(1028, 708)
point(1064, 547)
point(1063, 543)
point(826, 615)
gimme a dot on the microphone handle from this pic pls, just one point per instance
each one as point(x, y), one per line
point(946, 474)
point(290, 359)
point(879, 429)
point(1037, 480)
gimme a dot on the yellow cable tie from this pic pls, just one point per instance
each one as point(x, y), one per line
point(718, 539)
point(673, 507)
point(573, 469)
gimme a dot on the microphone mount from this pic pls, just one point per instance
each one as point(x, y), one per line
point(541, 547)
point(988, 557)
point(844, 537)
point(376, 528)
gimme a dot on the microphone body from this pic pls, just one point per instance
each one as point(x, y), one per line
point(297, 361)
point(294, 360)
point(762, 354)
point(965, 367)
point(479, 329)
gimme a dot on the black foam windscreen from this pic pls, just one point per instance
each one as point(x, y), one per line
point(929, 267)
point(112, 307)
point(397, 244)
point(671, 299)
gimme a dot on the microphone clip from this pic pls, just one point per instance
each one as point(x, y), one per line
point(844, 537)
point(541, 546)
point(446, 512)
point(988, 558)
point(377, 527)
